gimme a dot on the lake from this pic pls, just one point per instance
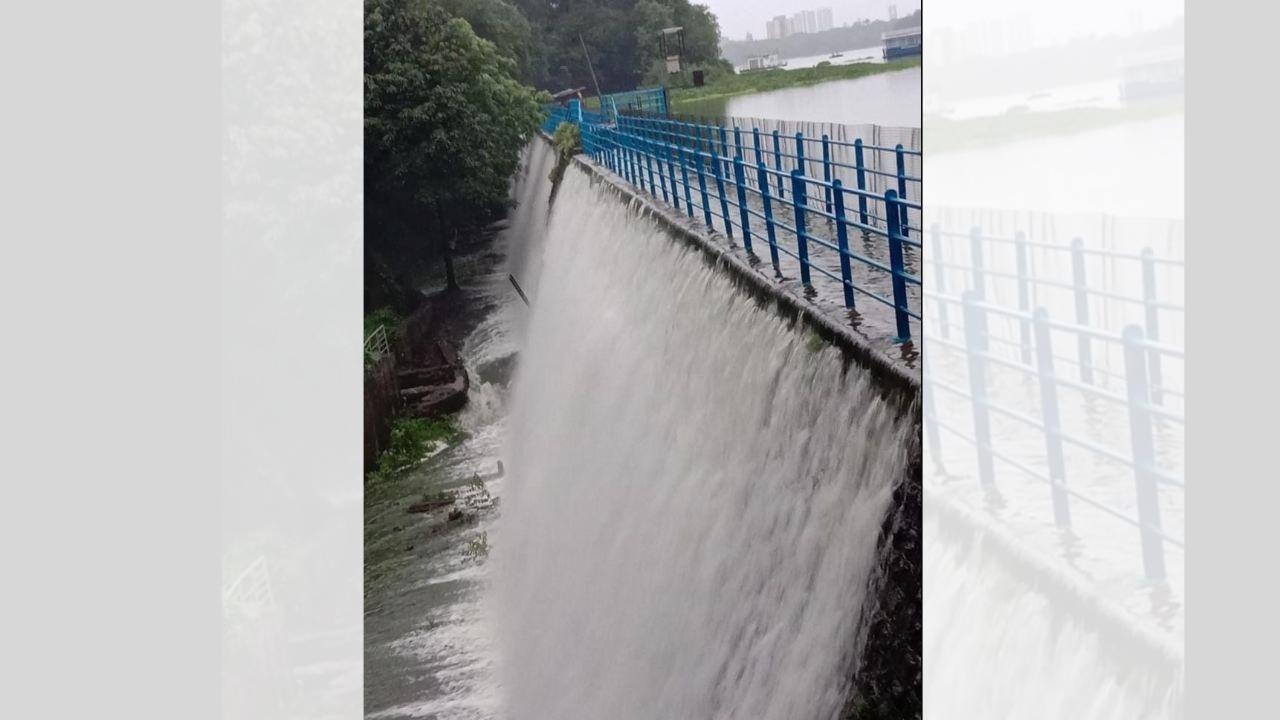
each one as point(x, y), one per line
point(887, 99)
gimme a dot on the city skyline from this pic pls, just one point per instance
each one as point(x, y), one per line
point(739, 18)
point(802, 22)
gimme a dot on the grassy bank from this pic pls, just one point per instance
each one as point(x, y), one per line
point(765, 80)
point(946, 135)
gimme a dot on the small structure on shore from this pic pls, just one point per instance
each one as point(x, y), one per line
point(764, 62)
point(902, 43)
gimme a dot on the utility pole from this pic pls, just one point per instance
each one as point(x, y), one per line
point(594, 81)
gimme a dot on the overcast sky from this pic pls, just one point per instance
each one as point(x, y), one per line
point(739, 17)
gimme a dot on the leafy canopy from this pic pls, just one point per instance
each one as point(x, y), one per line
point(445, 119)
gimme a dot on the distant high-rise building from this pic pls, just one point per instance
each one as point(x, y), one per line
point(778, 28)
point(805, 21)
point(825, 21)
point(893, 12)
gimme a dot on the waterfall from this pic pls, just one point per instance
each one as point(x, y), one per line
point(695, 488)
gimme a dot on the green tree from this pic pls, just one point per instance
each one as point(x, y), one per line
point(445, 119)
point(502, 24)
point(621, 38)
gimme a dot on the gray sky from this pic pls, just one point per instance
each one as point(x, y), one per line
point(739, 17)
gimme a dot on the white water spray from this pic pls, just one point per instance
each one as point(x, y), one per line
point(695, 493)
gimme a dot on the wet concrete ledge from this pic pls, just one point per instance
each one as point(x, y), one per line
point(873, 353)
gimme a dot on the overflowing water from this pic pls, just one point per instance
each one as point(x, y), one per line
point(695, 489)
point(693, 493)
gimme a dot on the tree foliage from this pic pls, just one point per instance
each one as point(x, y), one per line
point(621, 39)
point(445, 118)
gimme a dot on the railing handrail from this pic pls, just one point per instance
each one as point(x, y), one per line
point(376, 345)
point(659, 156)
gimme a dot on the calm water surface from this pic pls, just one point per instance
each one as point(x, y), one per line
point(890, 99)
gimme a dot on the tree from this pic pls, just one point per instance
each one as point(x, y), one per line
point(621, 37)
point(502, 24)
point(445, 119)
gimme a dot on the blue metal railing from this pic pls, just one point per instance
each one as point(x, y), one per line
point(644, 100)
point(1015, 339)
point(753, 195)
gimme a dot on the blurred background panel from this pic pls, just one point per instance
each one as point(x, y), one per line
point(1054, 377)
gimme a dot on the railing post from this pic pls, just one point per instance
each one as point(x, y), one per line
point(975, 332)
point(1082, 309)
point(1151, 305)
point(798, 204)
point(724, 201)
point(740, 179)
point(648, 163)
point(1024, 295)
point(939, 275)
point(800, 153)
point(628, 167)
point(1052, 422)
point(975, 260)
point(724, 152)
point(755, 139)
point(842, 240)
point(671, 173)
point(900, 303)
point(1135, 367)
point(862, 181)
point(737, 142)
point(902, 188)
point(684, 176)
point(702, 188)
point(777, 165)
point(762, 177)
point(657, 158)
point(638, 167)
point(826, 170)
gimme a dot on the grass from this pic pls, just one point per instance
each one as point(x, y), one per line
point(777, 79)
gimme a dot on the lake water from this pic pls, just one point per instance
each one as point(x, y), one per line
point(888, 99)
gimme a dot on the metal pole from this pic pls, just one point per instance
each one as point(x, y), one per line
point(684, 175)
point(1052, 422)
point(724, 202)
point(1153, 324)
point(826, 171)
point(862, 181)
point(902, 188)
point(592, 70)
point(798, 204)
point(975, 331)
point(739, 178)
point(1082, 309)
point(842, 238)
point(763, 178)
point(900, 303)
point(1024, 296)
point(1135, 366)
